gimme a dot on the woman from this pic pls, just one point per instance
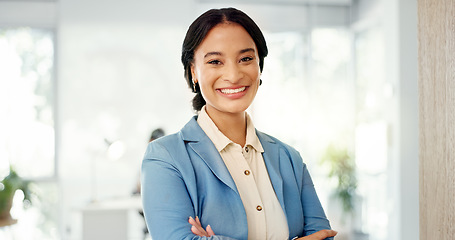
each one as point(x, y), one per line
point(219, 178)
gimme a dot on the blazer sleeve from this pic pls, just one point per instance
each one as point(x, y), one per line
point(314, 216)
point(166, 201)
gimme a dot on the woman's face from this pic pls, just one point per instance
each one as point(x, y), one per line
point(226, 66)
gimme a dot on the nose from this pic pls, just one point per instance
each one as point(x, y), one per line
point(232, 73)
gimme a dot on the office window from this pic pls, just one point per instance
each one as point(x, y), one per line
point(27, 126)
point(27, 139)
point(306, 98)
point(373, 120)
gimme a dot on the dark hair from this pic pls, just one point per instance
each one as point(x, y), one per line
point(199, 29)
point(157, 133)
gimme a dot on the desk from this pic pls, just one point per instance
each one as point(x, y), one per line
point(7, 222)
point(5, 228)
point(116, 219)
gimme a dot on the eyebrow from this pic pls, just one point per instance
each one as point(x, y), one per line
point(219, 53)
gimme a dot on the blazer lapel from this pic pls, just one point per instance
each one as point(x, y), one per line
point(203, 146)
point(271, 157)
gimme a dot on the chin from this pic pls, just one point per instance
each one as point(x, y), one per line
point(238, 108)
point(231, 107)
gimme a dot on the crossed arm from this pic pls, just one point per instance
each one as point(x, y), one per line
point(197, 229)
point(168, 204)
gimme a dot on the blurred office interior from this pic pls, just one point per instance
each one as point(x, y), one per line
point(84, 82)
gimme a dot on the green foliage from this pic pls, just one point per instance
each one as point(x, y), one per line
point(342, 168)
point(8, 187)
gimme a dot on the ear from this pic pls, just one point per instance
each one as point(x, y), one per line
point(193, 73)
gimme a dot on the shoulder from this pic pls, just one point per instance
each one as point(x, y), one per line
point(291, 151)
point(173, 143)
point(167, 140)
point(288, 158)
point(161, 148)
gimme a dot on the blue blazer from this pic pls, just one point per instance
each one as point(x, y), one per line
point(183, 175)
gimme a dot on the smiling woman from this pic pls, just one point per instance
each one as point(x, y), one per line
point(226, 68)
point(219, 177)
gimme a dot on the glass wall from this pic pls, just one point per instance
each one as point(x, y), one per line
point(307, 99)
point(324, 92)
point(27, 126)
point(373, 113)
point(27, 101)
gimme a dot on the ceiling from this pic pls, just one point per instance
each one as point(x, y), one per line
point(288, 2)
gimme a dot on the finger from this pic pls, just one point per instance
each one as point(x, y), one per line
point(192, 221)
point(200, 225)
point(196, 227)
point(324, 234)
point(210, 231)
point(197, 231)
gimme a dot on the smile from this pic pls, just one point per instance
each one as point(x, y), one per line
point(232, 90)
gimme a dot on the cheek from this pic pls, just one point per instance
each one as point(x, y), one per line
point(198, 68)
point(207, 76)
point(255, 73)
point(255, 69)
point(206, 81)
point(195, 70)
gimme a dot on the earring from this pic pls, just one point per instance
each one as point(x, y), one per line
point(260, 82)
point(194, 86)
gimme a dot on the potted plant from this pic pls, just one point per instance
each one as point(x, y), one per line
point(8, 187)
point(342, 168)
point(343, 204)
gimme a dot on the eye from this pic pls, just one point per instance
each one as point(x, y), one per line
point(246, 59)
point(214, 62)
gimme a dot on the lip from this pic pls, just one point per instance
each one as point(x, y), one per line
point(234, 95)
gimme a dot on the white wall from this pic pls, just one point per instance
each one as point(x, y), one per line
point(33, 14)
point(400, 24)
point(409, 124)
point(398, 19)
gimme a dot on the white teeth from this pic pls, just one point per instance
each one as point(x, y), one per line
point(230, 91)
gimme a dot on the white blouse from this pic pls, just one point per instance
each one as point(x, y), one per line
point(266, 218)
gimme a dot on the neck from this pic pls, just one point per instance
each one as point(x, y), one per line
point(232, 125)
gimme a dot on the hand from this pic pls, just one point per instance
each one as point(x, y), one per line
point(321, 235)
point(197, 228)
